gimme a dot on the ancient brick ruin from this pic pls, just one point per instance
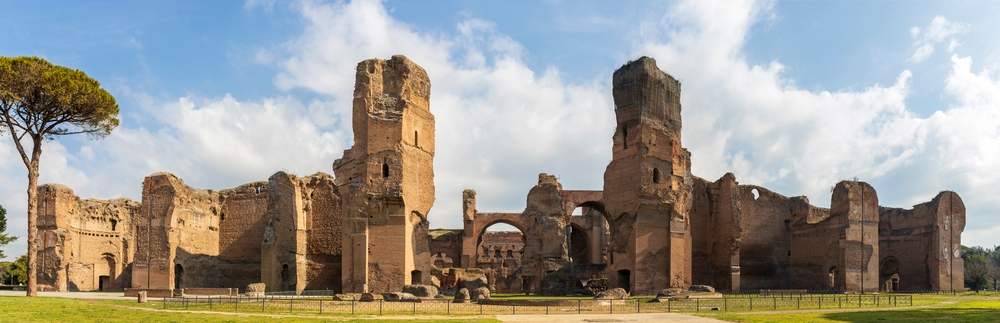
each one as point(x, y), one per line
point(654, 226)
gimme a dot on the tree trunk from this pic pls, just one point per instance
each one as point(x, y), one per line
point(36, 152)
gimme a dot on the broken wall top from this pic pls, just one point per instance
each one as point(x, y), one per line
point(643, 93)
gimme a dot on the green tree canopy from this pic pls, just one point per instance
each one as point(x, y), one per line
point(4, 237)
point(18, 270)
point(38, 101)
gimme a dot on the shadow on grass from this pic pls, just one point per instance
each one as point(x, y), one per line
point(920, 315)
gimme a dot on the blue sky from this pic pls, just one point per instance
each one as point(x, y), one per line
point(793, 96)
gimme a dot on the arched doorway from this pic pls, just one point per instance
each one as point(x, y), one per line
point(499, 254)
point(889, 274)
point(104, 269)
point(832, 283)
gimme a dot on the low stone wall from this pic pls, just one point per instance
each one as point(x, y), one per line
point(134, 292)
point(211, 291)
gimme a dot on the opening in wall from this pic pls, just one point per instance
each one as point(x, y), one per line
point(415, 277)
point(385, 170)
point(178, 275)
point(624, 136)
point(656, 175)
point(625, 279)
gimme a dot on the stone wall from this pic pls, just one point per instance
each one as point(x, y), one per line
point(85, 245)
point(919, 247)
point(301, 246)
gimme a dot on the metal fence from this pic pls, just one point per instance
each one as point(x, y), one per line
point(320, 305)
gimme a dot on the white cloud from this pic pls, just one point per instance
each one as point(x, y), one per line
point(752, 120)
point(499, 123)
point(936, 32)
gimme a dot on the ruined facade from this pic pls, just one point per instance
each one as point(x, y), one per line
point(387, 178)
point(654, 226)
point(84, 245)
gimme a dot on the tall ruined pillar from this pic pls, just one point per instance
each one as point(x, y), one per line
point(947, 269)
point(647, 185)
point(387, 178)
point(470, 237)
point(856, 204)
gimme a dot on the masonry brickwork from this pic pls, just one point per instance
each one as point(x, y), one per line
point(387, 178)
point(85, 245)
point(654, 226)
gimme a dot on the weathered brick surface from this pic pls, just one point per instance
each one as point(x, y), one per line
point(84, 245)
point(386, 179)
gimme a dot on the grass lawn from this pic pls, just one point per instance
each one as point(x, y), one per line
point(968, 308)
point(52, 309)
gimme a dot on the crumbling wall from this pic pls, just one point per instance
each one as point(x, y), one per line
point(918, 246)
point(445, 248)
point(241, 228)
point(765, 242)
point(85, 244)
point(715, 233)
point(324, 221)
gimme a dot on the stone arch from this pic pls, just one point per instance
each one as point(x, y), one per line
point(105, 272)
point(515, 224)
point(889, 274)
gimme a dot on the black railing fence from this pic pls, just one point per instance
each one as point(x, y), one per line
point(322, 304)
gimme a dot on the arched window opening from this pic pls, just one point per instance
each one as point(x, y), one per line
point(656, 176)
point(385, 170)
point(833, 278)
point(284, 274)
point(114, 224)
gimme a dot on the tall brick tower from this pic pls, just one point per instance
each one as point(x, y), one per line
point(647, 185)
point(387, 178)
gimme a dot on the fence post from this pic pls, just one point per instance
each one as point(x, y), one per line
point(320, 306)
point(859, 300)
point(262, 304)
point(209, 303)
point(512, 309)
point(237, 304)
point(185, 303)
point(352, 307)
point(611, 307)
point(820, 301)
point(480, 308)
point(577, 307)
point(546, 308)
point(164, 303)
point(414, 308)
point(289, 306)
point(751, 303)
point(380, 307)
point(775, 302)
point(637, 306)
point(697, 304)
point(725, 304)
point(449, 306)
point(798, 303)
point(668, 305)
